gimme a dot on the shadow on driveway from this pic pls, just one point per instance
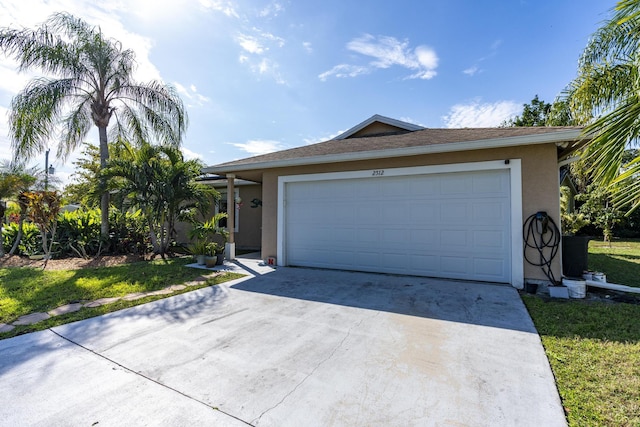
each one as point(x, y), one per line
point(482, 304)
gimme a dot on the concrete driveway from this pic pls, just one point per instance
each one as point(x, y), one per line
point(294, 347)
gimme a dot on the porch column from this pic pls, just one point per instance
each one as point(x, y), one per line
point(230, 246)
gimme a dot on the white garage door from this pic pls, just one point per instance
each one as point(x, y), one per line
point(452, 225)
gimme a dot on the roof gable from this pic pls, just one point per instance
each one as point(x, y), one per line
point(378, 125)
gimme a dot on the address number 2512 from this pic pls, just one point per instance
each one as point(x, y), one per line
point(378, 172)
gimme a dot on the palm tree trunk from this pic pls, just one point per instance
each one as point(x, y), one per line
point(23, 214)
point(1, 239)
point(104, 200)
point(2, 212)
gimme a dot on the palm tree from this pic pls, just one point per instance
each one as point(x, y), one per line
point(157, 180)
point(93, 86)
point(606, 93)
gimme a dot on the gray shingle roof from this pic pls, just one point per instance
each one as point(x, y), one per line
point(419, 138)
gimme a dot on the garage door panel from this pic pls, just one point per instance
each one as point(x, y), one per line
point(419, 213)
point(368, 235)
point(443, 225)
point(343, 235)
point(454, 240)
point(497, 241)
point(489, 212)
point(424, 238)
point(488, 267)
point(367, 214)
point(453, 185)
point(454, 265)
point(453, 212)
point(489, 184)
point(391, 188)
point(368, 259)
point(424, 188)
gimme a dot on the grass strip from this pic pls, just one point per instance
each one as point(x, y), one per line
point(594, 352)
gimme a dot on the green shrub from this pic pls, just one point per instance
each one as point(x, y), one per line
point(129, 233)
point(31, 242)
point(78, 233)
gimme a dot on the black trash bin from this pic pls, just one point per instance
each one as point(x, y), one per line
point(575, 255)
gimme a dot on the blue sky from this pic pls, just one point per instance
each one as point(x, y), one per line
point(259, 76)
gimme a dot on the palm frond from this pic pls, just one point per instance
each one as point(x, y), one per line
point(34, 113)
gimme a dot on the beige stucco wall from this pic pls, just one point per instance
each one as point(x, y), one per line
point(250, 219)
point(539, 181)
point(249, 233)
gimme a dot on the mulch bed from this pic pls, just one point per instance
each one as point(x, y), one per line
point(71, 263)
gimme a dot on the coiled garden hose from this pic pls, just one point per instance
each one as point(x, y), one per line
point(541, 234)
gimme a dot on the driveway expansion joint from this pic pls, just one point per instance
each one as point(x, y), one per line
point(141, 375)
point(323, 361)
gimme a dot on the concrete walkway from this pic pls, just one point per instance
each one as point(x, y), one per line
point(288, 348)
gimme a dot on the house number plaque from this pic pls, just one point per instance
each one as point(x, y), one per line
point(378, 172)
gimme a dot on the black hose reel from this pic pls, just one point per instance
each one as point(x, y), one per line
point(542, 238)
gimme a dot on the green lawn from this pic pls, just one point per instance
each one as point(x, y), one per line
point(620, 260)
point(594, 351)
point(594, 347)
point(29, 290)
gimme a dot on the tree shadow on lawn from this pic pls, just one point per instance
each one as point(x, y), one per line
point(605, 321)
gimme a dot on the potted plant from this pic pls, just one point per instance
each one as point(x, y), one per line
point(199, 251)
point(204, 234)
point(212, 254)
point(575, 249)
point(219, 254)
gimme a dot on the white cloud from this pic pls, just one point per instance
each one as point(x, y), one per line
point(264, 67)
point(14, 13)
point(410, 120)
point(250, 44)
point(225, 7)
point(255, 47)
point(315, 140)
point(428, 61)
point(279, 41)
point(475, 68)
point(471, 71)
point(344, 70)
point(191, 94)
point(272, 9)
point(257, 147)
point(307, 46)
point(190, 155)
point(259, 42)
point(476, 114)
point(387, 52)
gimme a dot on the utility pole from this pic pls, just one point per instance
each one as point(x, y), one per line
point(46, 170)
